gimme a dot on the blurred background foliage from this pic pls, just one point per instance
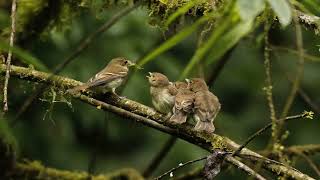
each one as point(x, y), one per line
point(68, 138)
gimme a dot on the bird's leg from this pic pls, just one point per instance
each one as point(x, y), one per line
point(167, 116)
point(114, 93)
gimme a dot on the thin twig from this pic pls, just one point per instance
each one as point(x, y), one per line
point(245, 168)
point(308, 100)
point(8, 62)
point(268, 88)
point(179, 166)
point(308, 149)
point(310, 162)
point(229, 159)
point(159, 156)
point(295, 52)
point(259, 132)
point(88, 40)
point(81, 47)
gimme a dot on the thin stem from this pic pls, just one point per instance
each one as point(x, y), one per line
point(268, 81)
point(179, 166)
point(260, 131)
point(8, 62)
point(295, 52)
point(311, 163)
point(88, 40)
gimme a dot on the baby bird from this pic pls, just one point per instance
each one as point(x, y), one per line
point(183, 105)
point(162, 93)
point(109, 78)
point(206, 106)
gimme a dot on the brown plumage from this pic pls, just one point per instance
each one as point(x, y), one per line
point(183, 105)
point(109, 78)
point(206, 106)
point(162, 92)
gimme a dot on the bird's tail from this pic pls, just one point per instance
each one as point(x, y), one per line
point(205, 126)
point(178, 117)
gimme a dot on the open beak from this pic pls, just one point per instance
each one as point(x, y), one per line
point(150, 74)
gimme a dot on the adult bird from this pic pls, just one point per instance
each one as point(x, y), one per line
point(109, 78)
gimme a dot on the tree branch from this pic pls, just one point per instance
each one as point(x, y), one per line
point(309, 21)
point(151, 118)
point(35, 170)
point(8, 62)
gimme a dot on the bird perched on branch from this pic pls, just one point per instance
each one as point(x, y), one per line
point(206, 106)
point(183, 105)
point(162, 92)
point(109, 78)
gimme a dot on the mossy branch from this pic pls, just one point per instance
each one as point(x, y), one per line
point(35, 170)
point(151, 118)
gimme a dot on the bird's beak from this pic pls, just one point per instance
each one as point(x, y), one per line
point(131, 63)
point(150, 74)
point(134, 64)
point(188, 81)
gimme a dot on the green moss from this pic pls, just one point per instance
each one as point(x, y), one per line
point(159, 11)
point(218, 142)
point(35, 170)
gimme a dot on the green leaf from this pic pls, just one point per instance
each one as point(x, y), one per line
point(24, 56)
point(229, 39)
point(249, 9)
point(283, 10)
point(173, 41)
point(312, 4)
point(182, 10)
point(202, 50)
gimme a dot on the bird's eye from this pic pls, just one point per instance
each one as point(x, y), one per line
point(125, 62)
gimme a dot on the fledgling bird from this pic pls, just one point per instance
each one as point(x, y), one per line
point(206, 106)
point(162, 92)
point(109, 78)
point(183, 105)
point(181, 85)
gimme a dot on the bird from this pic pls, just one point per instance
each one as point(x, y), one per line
point(109, 78)
point(206, 106)
point(183, 104)
point(162, 92)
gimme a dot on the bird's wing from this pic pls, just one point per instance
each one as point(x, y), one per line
point(103, 78)
point(172, 89)
point(206, 105)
